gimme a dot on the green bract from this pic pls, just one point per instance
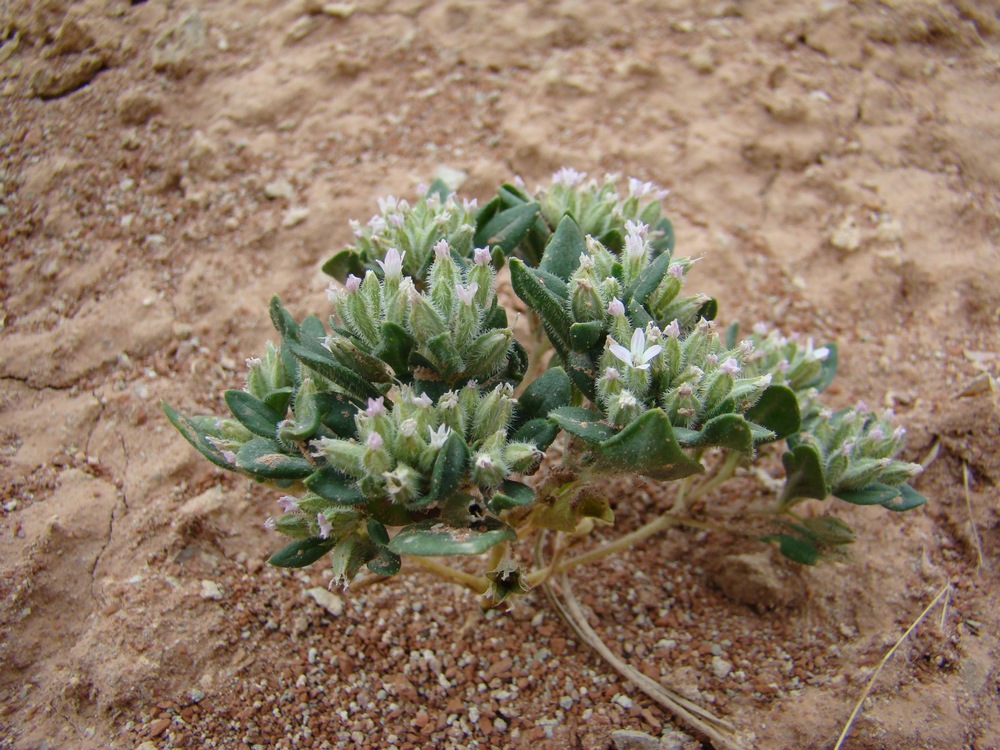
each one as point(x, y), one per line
point(405, 425)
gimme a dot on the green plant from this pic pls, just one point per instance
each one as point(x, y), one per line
point(405, 426)
point(414, 425)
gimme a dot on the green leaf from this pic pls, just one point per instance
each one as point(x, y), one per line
point(539, 431)
point(908, 499)
point(648, 281)
point(665, 242)
point(350, 553)
point(647, 446)
point(194, 430)
point(264, 458)
point(331, 486)
point(278, 399)
point(583, 423)
point(562, 254)
point(795, 548)
point(433, 538)
point(511, 495)
point(449, 468)
point(283, 322)
point(385, 563)
point(395, 347)
point(317, 358)
point(873, 494)
point(804, 475)
point(439, 188)
point(726, 431)
point(709, 310)
point(778, 411)
point(550, 309)
point(828, 368)
point(585, 337)
point(507, 229)
point(253, 413)
point(582, 370)
point(301, 552)
point(548, 391)
point(446, 357)
point(337, 412)
point(377, 532)
point(343, 264)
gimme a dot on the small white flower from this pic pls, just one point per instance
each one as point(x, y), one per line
point(898, 433)
point(229, 457)
point(356, 227)
point(676, 270)
point(423, 400)
point(673, 329)
point(449, 400)
point(730, 366)
point(636, 227)
point(408, 428)
point(846, 448)
point(439, 436)
point(377, 224)
point(352, 284)
point(822, 353)
point(611, 374)
point(288, 503)
point(569, 177)
point(392, 266)
point(466, 295)
point(270, 524)
point(325, 527)
point(760, 328)
point(638, 355)
point(481, 256)
point(635, 247)
point(470, 205)
point(484, 462)
point(712, 359)
point(374, 441)
point(253, 362)
point(615, 307)
point(396, 219)
point(376, 406)
point(387, 204)
point(876, 433)
point(442, 249)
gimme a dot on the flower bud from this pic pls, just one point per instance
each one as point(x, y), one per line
point(425, 320)
point(488, 466)
point(624, 408)
point(443, 278)
point(895, 473)
point(585, 301)
point(487, 353)
point(403, 483)
point(494, 412)
point(345, 456)
point(375, 458)
point(524, 458)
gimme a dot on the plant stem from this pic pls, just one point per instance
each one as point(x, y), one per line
point(476, 584)
point(726, 470)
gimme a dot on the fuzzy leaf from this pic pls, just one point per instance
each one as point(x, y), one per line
point(647, 446)
point(539, 431)
point(585, 337)
point(301, 552)
point(511, 495)
point(331, 486)
point(804, 475)
point(448, 360)
point(253, 413)
point(726, 431)
point(778, 411)
point(350, 553)
point(265, 459)
point(433, 538)
point(196, 431)
point(582, 370)
point(385, 563)
point(829, 368)
point(795, 548)
point(648, 281)
point(439, 188)
point(507, 228)
point(550, 309)
point(449, 468)
point(343, 264)
point(548, 391)
point(908, 499)
point(582, 423)
point(395, 347)
point(320, 360)
point(665, 242)
point(337, 412)
point(873, 494)
point(562, 254)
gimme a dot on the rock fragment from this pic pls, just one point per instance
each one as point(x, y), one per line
point(52, 80)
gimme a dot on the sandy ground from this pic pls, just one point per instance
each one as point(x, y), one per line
point(167, 166)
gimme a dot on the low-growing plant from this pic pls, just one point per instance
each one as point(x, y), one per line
point(415, 425)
